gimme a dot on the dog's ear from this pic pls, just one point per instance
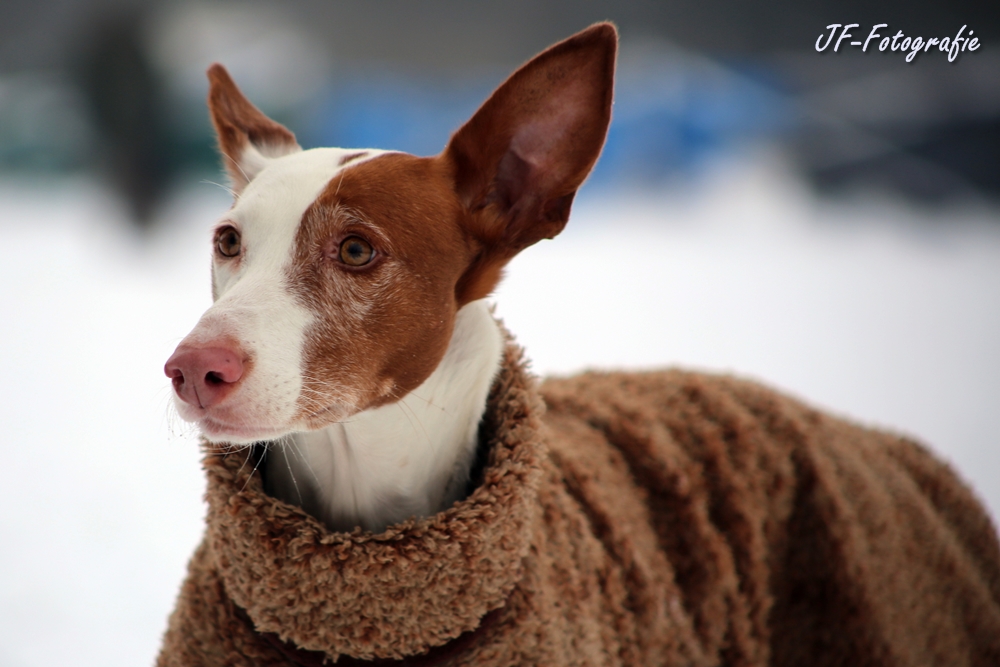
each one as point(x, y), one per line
point(247, 138)
point(518, 162)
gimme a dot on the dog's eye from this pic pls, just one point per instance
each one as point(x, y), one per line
point(355, 251)
point(227, 242)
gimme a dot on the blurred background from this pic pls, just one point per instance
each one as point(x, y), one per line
point(828, 223)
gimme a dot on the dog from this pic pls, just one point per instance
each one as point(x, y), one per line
point(382, 336)
point(387, 484)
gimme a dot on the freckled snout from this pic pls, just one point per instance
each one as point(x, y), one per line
point(204, 376)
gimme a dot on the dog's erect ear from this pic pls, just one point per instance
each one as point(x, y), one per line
point(519, 160)
point(247, 138)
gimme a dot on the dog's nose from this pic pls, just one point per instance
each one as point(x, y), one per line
point(204, 376)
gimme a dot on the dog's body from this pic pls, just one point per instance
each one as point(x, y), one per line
point(349, 338)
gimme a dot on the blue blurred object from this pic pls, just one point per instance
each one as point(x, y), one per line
point(672, 113)
point(670, 116)
point(387, 110)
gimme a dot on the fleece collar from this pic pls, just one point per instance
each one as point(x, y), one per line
point(400, 593)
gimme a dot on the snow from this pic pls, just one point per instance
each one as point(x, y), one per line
point(870, 308)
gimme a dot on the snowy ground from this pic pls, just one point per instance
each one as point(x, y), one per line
point(871, 309)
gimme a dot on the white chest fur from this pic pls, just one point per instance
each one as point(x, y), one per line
point(409, 458)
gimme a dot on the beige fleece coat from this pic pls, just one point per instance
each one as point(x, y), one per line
point(644, 519)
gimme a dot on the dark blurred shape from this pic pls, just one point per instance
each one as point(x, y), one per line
point(404, 74)
point(953, 159)
point(928, 130)
point(127, 104)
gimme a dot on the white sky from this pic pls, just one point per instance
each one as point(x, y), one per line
point(873, 309)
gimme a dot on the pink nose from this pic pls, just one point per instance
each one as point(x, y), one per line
point(204, 376)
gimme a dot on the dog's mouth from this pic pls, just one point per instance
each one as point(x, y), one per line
point(217, 431)
point(238, 420)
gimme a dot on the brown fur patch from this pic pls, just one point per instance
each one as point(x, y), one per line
point(444, 228)
point(380, 331)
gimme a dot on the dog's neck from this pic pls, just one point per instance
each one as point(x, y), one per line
point(404, 459)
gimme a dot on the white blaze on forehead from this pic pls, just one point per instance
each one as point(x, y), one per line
point(270, 209)
point(254, 306)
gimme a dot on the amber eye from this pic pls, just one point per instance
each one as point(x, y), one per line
point(355, 251)
point(227, 242)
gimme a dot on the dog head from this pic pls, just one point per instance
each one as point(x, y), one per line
point(337, 273)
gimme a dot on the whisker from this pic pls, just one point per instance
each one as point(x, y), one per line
point(428, 401)
point(256, 463)
point(411, 416)
point(284, 445)
point(237, 165)
point(243, 465)
point(229, 190)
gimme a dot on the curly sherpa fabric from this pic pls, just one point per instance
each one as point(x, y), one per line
point(646, 519)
